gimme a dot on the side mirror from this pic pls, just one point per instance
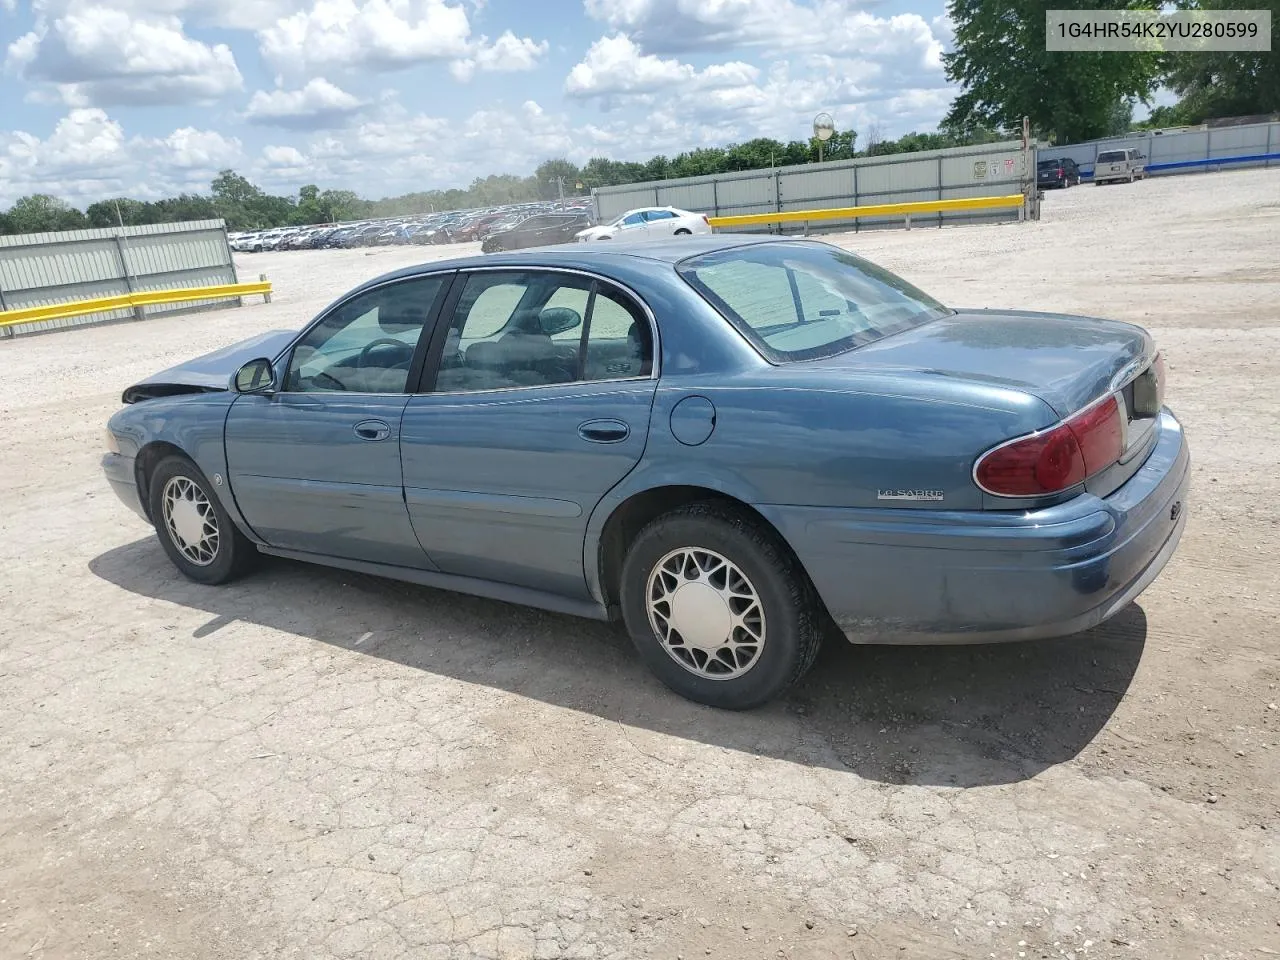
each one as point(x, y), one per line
point(256, 376)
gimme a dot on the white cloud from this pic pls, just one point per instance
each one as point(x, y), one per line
point(88, 157)
point(230, 14)
point(507, 54)
point(101, 56)
point(827, 55)
point(316, 105)
point(390, 35)
point(831, 27)
point(616, 65)
point(377, 33)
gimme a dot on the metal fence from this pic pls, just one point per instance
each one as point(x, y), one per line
point(950, 174)
point(44, 268)
point(1198, 150)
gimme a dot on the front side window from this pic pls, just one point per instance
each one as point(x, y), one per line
point(365, 345)
point(802, 300)
point(535, 328)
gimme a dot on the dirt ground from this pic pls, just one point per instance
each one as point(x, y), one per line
point(316, 764)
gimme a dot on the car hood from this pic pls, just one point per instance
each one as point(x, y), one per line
point(212, 371)
point(1066, 361)
point(593, 233)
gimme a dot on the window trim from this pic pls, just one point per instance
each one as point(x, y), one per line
point(280, 362)
point(431, 367)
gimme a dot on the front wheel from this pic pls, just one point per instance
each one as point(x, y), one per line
point(193, 526)
point(718, 607)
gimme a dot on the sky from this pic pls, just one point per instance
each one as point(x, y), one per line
point(148, 98)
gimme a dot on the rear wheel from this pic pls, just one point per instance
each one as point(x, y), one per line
point(194, 528)
point(718, 607)
point(682, 232)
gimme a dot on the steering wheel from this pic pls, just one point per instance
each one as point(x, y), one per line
point(380, 342)
point(331, 378)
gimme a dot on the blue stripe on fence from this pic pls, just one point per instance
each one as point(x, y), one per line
point(1187, 164)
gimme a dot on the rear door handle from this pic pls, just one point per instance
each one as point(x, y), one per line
point(372, 430)
point(604, 431)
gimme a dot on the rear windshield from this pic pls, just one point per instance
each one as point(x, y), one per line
point(803, 300)
point(1111, 156)
point(1048, 164)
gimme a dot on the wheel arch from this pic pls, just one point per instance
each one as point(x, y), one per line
point(144, 465)
point(629, 517)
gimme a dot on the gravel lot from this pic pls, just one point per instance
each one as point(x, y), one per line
point(316, 764)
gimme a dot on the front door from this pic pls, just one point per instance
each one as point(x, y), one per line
point(540, 405)
point(315, 466)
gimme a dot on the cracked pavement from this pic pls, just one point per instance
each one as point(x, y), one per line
point(312, 763)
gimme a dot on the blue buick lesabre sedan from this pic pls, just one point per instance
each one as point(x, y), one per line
point(731, 444)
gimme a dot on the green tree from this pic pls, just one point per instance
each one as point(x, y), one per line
point(342, 205)
point(1227, 84)
point(310, 209)
point(40, 213)
point(1001, 62)
point(109, 213)
point(185, 206)
point(547, 172)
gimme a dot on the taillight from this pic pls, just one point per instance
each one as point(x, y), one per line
point(1056, 459)
point(1059, 173)
point(706, 220)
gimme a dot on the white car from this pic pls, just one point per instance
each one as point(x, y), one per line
point(648, 222)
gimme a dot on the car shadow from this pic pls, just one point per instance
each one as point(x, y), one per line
point(952, 716)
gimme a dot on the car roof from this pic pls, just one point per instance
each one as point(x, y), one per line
point(589, 257)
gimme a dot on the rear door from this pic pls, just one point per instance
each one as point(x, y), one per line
point(535, 405)
point(315, 466)
point(659, 223)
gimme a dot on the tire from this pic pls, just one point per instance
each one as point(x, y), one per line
point(682, 232)
point(716, 541)
point(229, 556)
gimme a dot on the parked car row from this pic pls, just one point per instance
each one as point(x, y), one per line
point(508, 228)
point(452, 227)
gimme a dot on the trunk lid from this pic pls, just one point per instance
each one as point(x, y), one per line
point(209, 372)
point(1066, 361)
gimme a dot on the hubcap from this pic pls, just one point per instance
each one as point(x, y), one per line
point(190, 520)
point(706, 613)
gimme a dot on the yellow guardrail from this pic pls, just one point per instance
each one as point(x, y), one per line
point(126, 301)
point(1009, 202)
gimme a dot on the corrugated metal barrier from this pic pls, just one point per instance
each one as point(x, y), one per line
point(39, 269)
point(1195, 150)
point(957, 173)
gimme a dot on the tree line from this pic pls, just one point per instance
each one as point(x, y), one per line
point(999, 61)
point(246, 206)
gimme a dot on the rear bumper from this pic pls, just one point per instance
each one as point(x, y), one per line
point(123, 479)
point(916, 576)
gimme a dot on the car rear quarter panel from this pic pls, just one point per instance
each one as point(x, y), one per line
point(829, 442)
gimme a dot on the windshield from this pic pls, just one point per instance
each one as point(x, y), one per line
point(802, 300)
point(1111, 156)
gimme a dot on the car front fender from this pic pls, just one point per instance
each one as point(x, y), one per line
point(194, 425)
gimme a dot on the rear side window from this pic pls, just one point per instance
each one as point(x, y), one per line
point(801, 300)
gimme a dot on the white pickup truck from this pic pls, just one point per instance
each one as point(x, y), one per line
point(1116, 165)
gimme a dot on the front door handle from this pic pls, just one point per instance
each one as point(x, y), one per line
point(372, 430)
point(604, 431)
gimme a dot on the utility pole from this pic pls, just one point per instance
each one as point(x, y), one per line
point(560, 190)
